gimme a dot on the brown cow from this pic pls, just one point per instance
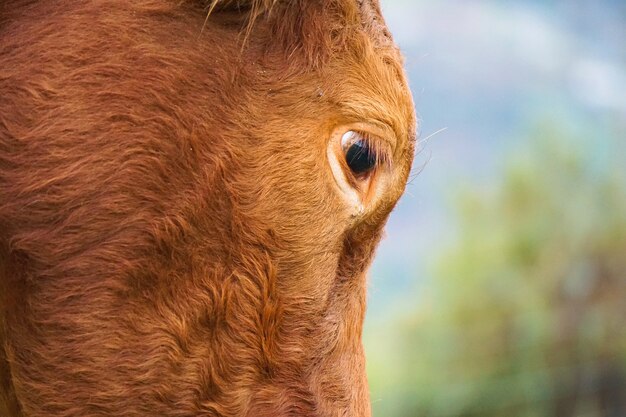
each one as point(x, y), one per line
point(190, 195)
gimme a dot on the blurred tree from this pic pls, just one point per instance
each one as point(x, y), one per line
point(528, 311)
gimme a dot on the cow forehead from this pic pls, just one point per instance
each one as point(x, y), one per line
point(373, 22)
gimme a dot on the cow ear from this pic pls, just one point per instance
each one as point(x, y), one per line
point(312, 29)
point(244, 11)
point(243, 6)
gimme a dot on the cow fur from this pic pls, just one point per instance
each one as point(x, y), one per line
point(172, 242)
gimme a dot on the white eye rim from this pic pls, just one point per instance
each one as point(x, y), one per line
point(350, 194)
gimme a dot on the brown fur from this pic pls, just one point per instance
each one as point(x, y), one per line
point(171, 239)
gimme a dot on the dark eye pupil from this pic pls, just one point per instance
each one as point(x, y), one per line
point(360, 157)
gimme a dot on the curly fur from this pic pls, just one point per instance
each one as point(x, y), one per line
point(170, 240)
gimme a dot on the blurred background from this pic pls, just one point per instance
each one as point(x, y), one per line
point(500, 288)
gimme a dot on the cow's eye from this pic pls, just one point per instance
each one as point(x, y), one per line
point(360, 157)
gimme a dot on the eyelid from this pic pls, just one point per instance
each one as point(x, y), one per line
point(381, 135)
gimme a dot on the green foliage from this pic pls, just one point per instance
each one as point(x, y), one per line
point(527, 314)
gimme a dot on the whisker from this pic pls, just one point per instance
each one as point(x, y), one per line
point(414, 175)
point(425, 140)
